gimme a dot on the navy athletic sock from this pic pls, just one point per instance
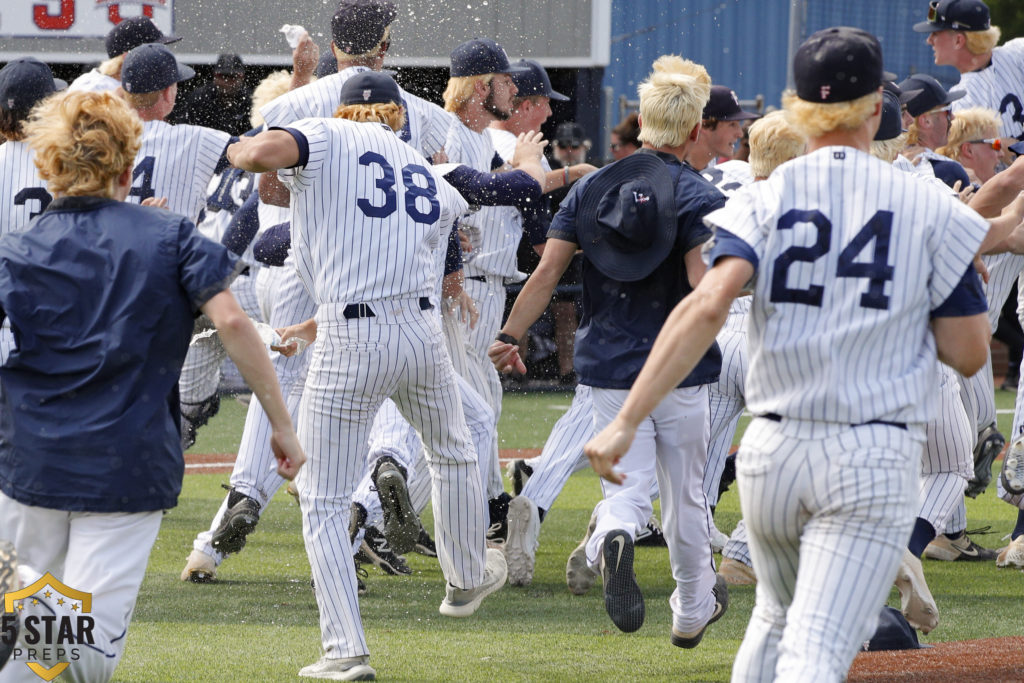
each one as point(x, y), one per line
point(923, 534)
point(955, 536)
point(541, 512)
point(1019, 529)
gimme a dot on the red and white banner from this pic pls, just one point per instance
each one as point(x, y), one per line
point(78, 18)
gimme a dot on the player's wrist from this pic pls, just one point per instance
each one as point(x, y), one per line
point(507, 339)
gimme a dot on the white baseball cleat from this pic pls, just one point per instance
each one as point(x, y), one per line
point(1012, 555)
point(462, 602)
point(579, 575)
point(1012, 472)
point(916, 601)
point(523, 539)
point(200, 568)
point(344, 669)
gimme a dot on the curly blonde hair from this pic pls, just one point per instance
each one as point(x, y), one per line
point(888, 150)
point(269, 89)
point(969, 124)
point(672, 100)
point(112, 66)
point(773, 142)
point(980, 42)
point(389, 113)
point(460, 90)
point(83, 141)
point(815, 119)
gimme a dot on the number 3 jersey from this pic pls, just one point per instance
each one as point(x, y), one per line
point(852, 259)
point(999, 86)
point(177, 162)
point(368, 212)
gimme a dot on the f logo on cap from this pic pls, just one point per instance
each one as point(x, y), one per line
point(825, 90)
point(366, 94)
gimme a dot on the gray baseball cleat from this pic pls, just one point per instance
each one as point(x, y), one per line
point(579, 576)
point(990, 445)
point(401, 523)
point(523, 539)
point(462, 602)
point(1012, 473)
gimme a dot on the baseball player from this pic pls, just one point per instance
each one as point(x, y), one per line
point(638, 222)
point(721, 127)
point(827, 470)
point(962, 36)
point(377, 338)
point(127, 35)
point(96, 375)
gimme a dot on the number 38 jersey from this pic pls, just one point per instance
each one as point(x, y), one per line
point(177, 162)
point(999, 86)
point(368, 212)
point(23, 194)
point(852, 257)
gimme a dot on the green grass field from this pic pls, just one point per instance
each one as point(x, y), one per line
point(259, 621)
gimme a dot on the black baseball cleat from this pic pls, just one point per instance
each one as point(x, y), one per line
point(651, 534)
point(375, 550)
point(497, 532)
point(990, 445)
point(425, 544)
point(622, 597)
point(238, 522)
point(401, 523)
point(8, 584)
point(519, 472)
point(691, 640)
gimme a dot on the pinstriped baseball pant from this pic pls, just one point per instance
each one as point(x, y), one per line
point(829, 519)
point(356, 364)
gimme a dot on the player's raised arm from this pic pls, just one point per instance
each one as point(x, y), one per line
point(268, 151)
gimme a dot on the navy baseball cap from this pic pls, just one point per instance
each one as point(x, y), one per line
point(358, 25)
point(131, 33)
point(723, 105)
point(370, 87)
point(930, 96)
point(570, 134)
point(481, 56)
point(893, 632)
point(152, 67)
point(892, 117)
point(25, 81)
point(955, 15)
point(229, 64)
point(838, 64)
point(534, 81)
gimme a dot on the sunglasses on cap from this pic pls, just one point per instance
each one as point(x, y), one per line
point(994, 143)
point(935, 17)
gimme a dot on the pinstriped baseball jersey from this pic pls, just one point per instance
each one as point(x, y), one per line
point(380, 245)
point(23, 194)
point(1003, 270)
point(425, 127)
point(475, 150)
point(999, 86)
point(729, 176)
point(835, 232)
point(177, 162)
point(94, 81)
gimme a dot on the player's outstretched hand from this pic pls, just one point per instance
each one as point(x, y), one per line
point(607, 448)
point(305, 56)
point(158, 202)
point(506, 357)
point(965, 192)
point(288, 452)
point(529, 146)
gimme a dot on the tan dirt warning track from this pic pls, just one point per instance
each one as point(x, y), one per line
point(989, 660)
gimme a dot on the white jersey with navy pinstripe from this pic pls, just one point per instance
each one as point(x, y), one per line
point(23, 194)
point(177, 162)
point(368, 211)
point(425, 127)
point(94, 81)
point(475, 150)
point(852, 255)
point(999, 86)
point(729, 176)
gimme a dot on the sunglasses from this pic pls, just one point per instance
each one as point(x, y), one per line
point(994, 143)
point(934, 17)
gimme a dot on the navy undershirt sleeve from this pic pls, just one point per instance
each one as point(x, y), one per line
point(303, 144)
point(272, 247)
point(244, 225)
point(453, 257)
point(967, 298)
point(512, 188)
point(728, 244)
point(223, 162)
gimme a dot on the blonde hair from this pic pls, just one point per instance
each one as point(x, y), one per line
point(83, 141)
point(460, 90)
point(981, 42)
point(112, 67)
point(773, 142)
point(140, 100)
point(969, 124)
point(390, 114)
point(269, 89)
point(369, 54)
point(888, 150)
point(672, 100)
point(815, 119)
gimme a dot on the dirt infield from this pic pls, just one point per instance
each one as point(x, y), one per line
point(219, 463)
point(990, 659)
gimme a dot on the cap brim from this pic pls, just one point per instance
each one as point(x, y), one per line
point(59, 84)
point(888, 76)
point(739, 116)
point(555, 95)
point(907, 95)
point(515, 69)
point(955, 95)
point(929, 27)
point(1017, 148)
point(167, 40)
point(185, 72)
